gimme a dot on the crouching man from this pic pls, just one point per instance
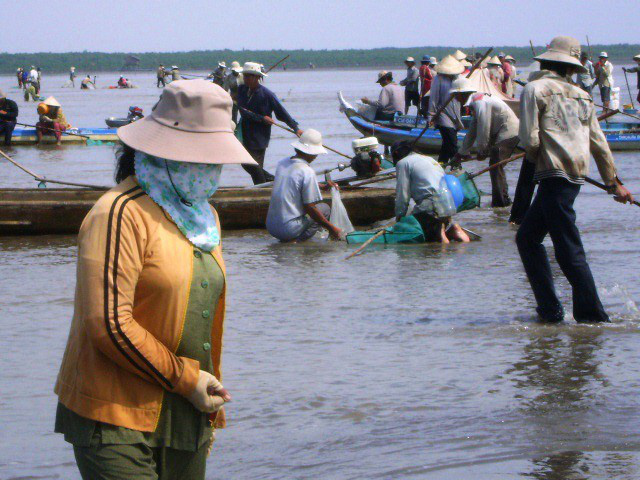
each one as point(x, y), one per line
point(422, 179)
point(296, 213)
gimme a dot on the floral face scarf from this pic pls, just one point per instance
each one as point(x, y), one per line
point(182, 190)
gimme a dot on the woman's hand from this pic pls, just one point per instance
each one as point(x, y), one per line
point(209, 394)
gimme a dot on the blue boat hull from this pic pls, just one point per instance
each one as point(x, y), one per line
point(27, 136)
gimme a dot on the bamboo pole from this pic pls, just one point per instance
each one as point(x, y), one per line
point(383, 229)
point(53, 130)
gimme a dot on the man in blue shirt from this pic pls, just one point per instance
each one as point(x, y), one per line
point(257, 104)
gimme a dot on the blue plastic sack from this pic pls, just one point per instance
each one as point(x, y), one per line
point(455, 188)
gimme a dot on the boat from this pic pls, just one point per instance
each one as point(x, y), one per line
point(42, 211)
point(27, 136)
point(620, 135)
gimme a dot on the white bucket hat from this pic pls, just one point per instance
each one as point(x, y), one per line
point(52, 102)
point(563, 50)
point(410, 59)
point(222, 64)
point(603, 55)
point(190, 123)
point(433, 61)
point(310, 142)
point(459, 55)
point(462, 85)
point(636, 57)
point(174, 67)
point(235, 66)
point(382, 74)
point(252, 68)
point(450, 66)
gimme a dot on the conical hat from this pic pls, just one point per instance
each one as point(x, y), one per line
point(52, 102)
point(465, 63)
point(494, 61)
point(459, 55)
point(449, 66)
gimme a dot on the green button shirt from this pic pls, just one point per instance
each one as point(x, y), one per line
point(180, 426)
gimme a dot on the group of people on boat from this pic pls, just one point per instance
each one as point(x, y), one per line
point(139, 389)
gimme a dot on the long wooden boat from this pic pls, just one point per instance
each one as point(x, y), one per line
point(620, 135)
point(27, 136)
point(41, 211)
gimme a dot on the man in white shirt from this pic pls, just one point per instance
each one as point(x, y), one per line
point(391, 99)
point(604, 78)
point(296, 212)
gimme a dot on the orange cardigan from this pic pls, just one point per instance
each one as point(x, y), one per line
point(133, 278)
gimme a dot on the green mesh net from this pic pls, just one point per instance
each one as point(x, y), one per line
point(471, 192)
point(407, 230)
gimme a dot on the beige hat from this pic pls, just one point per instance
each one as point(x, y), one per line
point(410, 59)
point(52, 102)
point(383, 74)
point(637, 57)
point(310, 142)
point(252, 68)
point(563, 50)
point(459, 55)
point(494, 61)
point(235, 66)
point(222, 64)
point(603, 55)
point(449, 66)
point(433, 61)
point(510, 59)
point(190, 123)
point(465, 63)
point(462, 85)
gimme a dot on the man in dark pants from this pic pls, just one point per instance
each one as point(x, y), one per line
point(257, 104)
point(560, 131)
point(8, 117)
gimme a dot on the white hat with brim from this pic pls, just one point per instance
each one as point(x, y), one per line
point(310, 142)
point(222, 64)
point(563, 50)
point(462, 85)
point(384, 74)
point(52, 102)
point(449, 66)
point(637, 57)
point(252, 68)
point(465, 63)
point(174, 67)
point(603, 55)
point(433, 61)
point(410, 60)
point(494, 61)
point(191, 123)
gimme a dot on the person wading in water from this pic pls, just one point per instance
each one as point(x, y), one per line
point(560, 131)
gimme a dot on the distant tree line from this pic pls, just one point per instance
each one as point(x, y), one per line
point(208, 59)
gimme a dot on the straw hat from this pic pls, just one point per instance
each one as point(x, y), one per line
point(410, 59)
point(52, 102)
point(449, 66)
point(494, 61)
point(383, 74)
point(252, 68)
point(510, 59)
point(603, 55)
point(190, 123)
point(459, 55)
point(235, 66)
point(310, 142)
point(465, 63)
point(564, 50)
point(433, 61)
point(462, 85)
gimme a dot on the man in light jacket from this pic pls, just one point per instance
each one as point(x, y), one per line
point(411, 85)
point(391, 99)
point(494, 133)
point(586, 79)
point(560, 131)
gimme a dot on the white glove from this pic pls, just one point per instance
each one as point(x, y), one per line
point(209, 394)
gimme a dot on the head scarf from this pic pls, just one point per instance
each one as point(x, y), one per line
point(182, 190)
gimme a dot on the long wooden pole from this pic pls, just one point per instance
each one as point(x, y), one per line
point(40, 178)
point(614, 112)
point(533, 50)
point(446, 104)
point(629, 89)
point(276, 64)
point(498, 164)
point(589, 46)
point(53, 130)
point(383, 229)
point(601, 186)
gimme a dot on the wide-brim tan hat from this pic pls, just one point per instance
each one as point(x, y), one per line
point(190, 123)
point(510, 59)
point(462, 85)
point(383, 74)
point(310, 142)
point(252, 68)
point(449, 66)
point(459, 55)
point(52, 102)
point(563, 50)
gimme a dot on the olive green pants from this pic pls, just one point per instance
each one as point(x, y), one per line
point(140, 462)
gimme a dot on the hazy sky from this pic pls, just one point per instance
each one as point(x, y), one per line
point(163, 25)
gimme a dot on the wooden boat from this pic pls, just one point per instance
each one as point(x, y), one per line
point(620, 135)
point(27, 136)
point(40, 211)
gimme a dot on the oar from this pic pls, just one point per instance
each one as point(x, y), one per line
point(276, 64)
point(380, 178)
point(496, 165)
point(446, 104)
point(533, 50)
point(284, 127)
point(601, 186)
point(368, 242)
point(53, 130)
point(636, 117)
point(41, 179)
point(589, 45)
point(629, 89)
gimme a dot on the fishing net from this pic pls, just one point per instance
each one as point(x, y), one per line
point(407, 230)
point(470, 191)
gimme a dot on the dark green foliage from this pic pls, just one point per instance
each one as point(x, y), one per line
point(90, 62)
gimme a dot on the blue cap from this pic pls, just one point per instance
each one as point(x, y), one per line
point(426, 58)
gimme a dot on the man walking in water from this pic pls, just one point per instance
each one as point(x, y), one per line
point(560, 131)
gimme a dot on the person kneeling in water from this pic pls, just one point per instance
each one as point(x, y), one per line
point(296, 212)
point(421, 178)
